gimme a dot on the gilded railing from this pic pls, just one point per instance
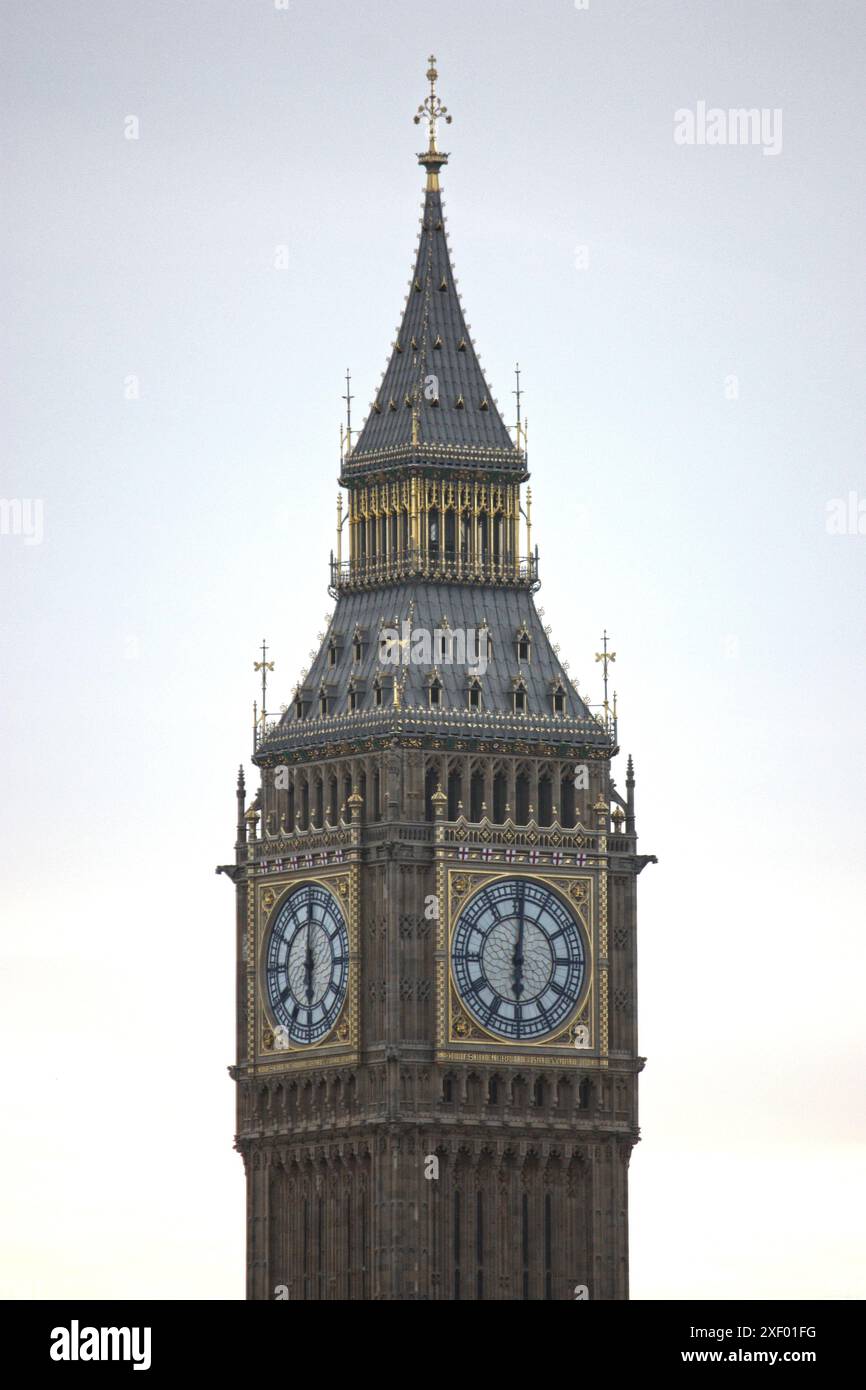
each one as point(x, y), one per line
point(443, 567)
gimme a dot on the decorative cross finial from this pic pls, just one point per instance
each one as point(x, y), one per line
point(264, 666)
point(431, 110)
point(520, 429)
point(607, 657)
point(348, 398)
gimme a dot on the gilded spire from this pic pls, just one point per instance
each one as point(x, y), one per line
point(431, 110)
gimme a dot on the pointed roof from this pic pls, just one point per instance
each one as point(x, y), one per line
point(433, 399)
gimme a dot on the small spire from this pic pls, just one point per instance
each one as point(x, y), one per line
point(431, 110)
point(241, 838)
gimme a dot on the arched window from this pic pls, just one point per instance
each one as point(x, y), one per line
point(450, 532)
point(465, 536)
point(521, 810)
point(499, 796)
point(545, 800)
point(567, 802)
point(431, 781)
point(476, 795)
point(484, 529)
point(497, 538)
point(455, 794)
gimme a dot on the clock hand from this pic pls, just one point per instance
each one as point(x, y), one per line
point(518, 945)
point(308, 958)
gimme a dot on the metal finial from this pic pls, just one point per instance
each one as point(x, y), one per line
point(431, 110)
point(264, 666)
point(521, 428)
point(607, 657)
point(348, 398)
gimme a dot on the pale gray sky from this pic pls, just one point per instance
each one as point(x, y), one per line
point(684, 511)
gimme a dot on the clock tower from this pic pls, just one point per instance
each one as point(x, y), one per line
point(437, 1054)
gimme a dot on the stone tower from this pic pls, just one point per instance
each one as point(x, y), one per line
point(436, 884)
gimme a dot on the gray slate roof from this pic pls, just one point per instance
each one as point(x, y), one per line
point(465, 607)
point(433, 313)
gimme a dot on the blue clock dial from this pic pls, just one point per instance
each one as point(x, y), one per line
point(307, 963)
point(518, 959)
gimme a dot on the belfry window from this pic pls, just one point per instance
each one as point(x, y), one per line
point(475, 693)
point(520, 700)
point(435, 692)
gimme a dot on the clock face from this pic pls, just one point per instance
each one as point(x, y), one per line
point(518, 959)
point(307, 963)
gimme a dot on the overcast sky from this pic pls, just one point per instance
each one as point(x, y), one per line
point(690, 324)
